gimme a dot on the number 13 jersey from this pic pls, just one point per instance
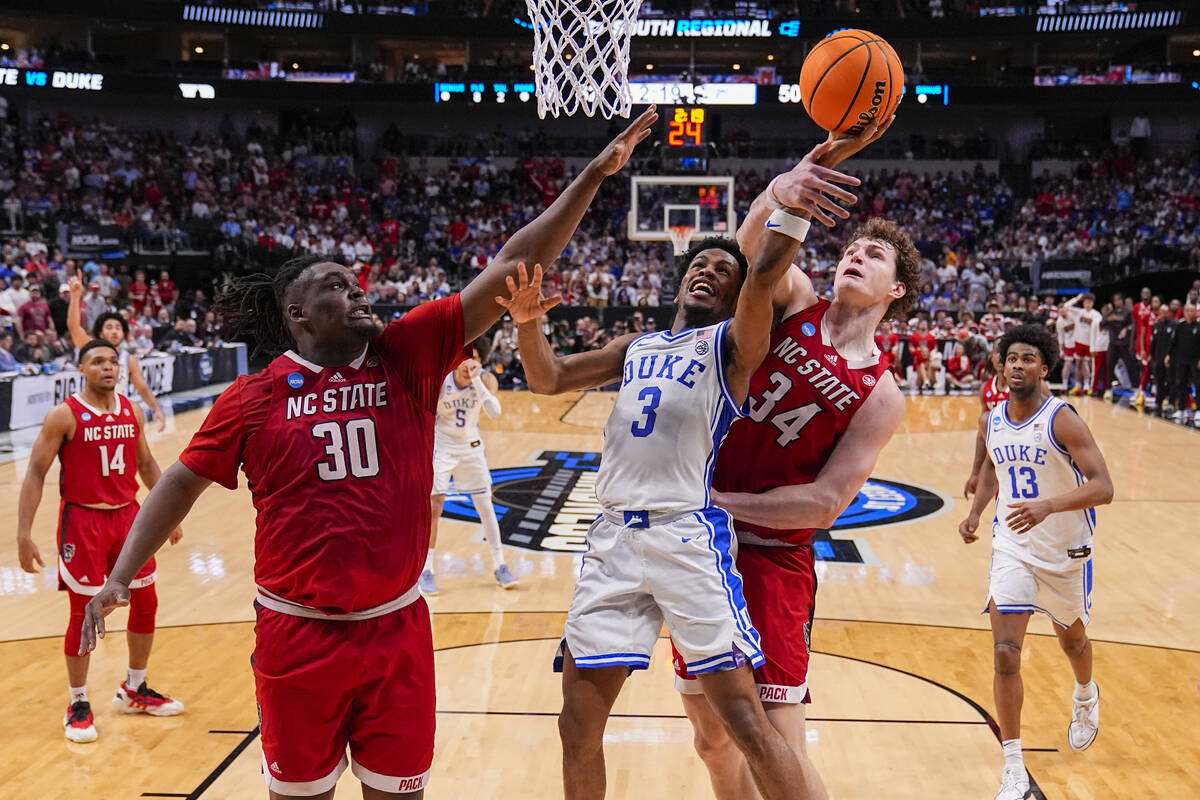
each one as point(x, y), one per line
point(673, 410)
point(339, 461)
point(802, 399)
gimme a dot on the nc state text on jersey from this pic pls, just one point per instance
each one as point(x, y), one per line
point(350, 397)
point(100, 433)
point(824, 381)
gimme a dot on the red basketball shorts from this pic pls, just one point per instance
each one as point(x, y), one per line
point(1083, 350)
point(780, 587)
point(1068, 351)
point(89, 541)
point(322, 685)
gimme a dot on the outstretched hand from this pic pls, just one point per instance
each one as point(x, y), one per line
point(75, 286)
point(111, 597)
point(527, 302)
point(616, 155)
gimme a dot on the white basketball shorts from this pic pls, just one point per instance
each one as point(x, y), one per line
point(466, 462)
point(1017, 586)
point(638, 573)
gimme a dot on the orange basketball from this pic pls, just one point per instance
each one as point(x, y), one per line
point(849, 79)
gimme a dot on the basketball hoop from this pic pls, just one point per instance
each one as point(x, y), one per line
point(581, 55)
point(680, 236)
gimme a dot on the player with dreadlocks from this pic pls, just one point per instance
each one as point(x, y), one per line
point(335, 438)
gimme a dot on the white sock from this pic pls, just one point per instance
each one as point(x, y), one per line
point(491, 528)
point(135, 678)
point(78, 694)
point(1012, 753)
point(429, 561)
point(1085, 691)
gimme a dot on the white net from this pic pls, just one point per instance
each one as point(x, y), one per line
point(581, 55)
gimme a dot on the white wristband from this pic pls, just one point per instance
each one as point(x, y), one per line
point(788, 224)
point(769, 195)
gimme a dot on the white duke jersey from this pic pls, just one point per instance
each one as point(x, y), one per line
point(458, 412)
point(1031, 464)
point(672, 412)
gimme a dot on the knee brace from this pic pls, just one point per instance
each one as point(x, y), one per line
point(143, 607)
point(75, 622)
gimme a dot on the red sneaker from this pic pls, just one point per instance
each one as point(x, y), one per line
point(79, 724)
point(145, 700)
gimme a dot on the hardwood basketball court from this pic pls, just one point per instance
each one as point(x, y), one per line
point(901, 679)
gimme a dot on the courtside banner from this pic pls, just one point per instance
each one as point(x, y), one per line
point(34, 396)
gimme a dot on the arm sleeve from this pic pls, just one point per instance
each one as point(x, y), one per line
point(215, 451)
point(425, 345)
point(491, 403)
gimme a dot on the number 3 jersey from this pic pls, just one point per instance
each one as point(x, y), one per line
point(99, 463)
point(339, 461)
point(1031, 464)
point(802, 399)
point(673, 410)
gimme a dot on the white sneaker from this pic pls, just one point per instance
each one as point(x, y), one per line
point(505, 578)
point(1085, 721)
point(1014, 784)
point(427, 584)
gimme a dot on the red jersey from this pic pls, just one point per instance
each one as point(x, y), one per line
point(917, 340)
point(99, 463)
point(1143, 320)
point(339, 461)
point(802, 380)
point(959, 366)
point(990, 395)
point(138, 291)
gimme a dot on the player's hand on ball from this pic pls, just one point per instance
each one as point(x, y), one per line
point(838, 148)
point(1025, 515)
point(527, 302)
point(614, 157)
point(967, 529)
point(176, 536)
point(814, 189)
point(29, 555)
point(112, 596)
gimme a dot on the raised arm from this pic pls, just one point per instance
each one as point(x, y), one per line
point(543, 240)
point(749, 333)
point(164, 508)
point(487, 385)
point(79, 337)
point(57, 428)
point(1097, 489)
point(546, 372)
point(818, 504)
point(143, 389)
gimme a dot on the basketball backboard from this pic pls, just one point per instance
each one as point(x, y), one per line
point(660, 202)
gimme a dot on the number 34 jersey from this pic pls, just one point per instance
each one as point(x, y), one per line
point(673, 410)
point(339, 461)
point(802, 399)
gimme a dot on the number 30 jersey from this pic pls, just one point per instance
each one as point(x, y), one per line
point(339, 461)
point(802, 399)
point(673, 410)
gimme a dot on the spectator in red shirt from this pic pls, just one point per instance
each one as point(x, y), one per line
point(168, 292)
point(959, 371)
point(923, 345)
point(34, 315)
point(139, 291)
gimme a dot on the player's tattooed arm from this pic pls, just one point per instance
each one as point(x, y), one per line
point(163, 510)
point(546, 372)
point(57, 428)
point(985, 485)
point(148, 469)
point(980, 455)
point(543, 240)
point(1097, 488)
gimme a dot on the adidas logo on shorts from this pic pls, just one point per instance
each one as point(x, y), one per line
point(275, 766)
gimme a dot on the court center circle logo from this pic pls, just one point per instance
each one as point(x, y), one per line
point(549, 504)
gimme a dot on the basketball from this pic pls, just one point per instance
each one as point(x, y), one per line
point(849, 79)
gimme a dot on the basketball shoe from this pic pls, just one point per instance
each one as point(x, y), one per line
point(1085, 720)
point(505, 578)
point(1014, 784)
point(144, 700)
point(427, 584)
point(79, 724)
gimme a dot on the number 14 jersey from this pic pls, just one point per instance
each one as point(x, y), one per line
point(802, 399)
